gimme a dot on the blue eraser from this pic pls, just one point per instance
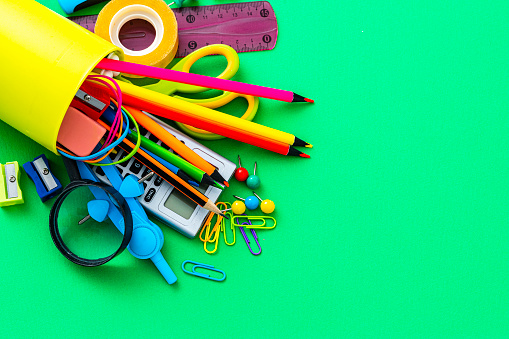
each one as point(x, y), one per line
point(46, 184)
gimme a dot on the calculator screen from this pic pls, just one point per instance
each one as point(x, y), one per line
point(180, 204)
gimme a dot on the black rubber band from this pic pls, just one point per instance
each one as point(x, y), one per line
point(53, 222)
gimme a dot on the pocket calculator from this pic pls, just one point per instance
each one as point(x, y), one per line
point(164, 202)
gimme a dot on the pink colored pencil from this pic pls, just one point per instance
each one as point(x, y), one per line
point(200, 80)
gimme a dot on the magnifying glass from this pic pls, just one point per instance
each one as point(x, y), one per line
point(92, 241)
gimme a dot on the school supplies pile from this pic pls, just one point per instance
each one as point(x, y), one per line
point(110, 135)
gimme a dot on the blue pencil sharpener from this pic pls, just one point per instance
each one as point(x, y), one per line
point(46, 184)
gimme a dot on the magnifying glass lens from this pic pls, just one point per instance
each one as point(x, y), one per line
point(92, 239)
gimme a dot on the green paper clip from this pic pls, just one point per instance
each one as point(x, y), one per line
point(10, 193)
point(223, 228)
point(257, 221)
point(204, 266)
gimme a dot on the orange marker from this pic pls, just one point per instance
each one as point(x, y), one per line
point(175, 144)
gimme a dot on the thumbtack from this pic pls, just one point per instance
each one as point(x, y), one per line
point(97, 210)
point(267, 206)
point(241, 174)
point(251, 202)
point(253, 181)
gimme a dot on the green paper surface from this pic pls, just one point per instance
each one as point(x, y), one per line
point(397, 226)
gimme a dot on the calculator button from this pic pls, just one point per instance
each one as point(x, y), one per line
point(99, 171)
point(143, 130)
point(153, 138)
point(144, 186)
point(145, 173)
point(136, 167)
point(114, 153)
point(120, 171)
point(150, 194)
point(123, 164)
point(158, 181)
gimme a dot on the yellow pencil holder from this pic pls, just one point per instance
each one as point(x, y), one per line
point(44, 59)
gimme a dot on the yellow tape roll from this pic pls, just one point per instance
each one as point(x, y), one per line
point(117, 13)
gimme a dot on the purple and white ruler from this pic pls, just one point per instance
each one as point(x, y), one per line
point(245, 26)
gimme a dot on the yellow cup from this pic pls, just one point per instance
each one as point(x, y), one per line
point(44, 60)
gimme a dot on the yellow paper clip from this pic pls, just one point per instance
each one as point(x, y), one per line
point(226, 206)
point(257, 221)
point(206, 227)
point(10, 193)
point(211, 235)
point(223, 228)
point(214, 240)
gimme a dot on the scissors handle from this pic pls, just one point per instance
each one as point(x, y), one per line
point(184, 65)
point(215, 102)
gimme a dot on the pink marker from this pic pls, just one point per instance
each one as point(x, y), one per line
point(200, 80)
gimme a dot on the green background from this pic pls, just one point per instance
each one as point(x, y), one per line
point(396, 226)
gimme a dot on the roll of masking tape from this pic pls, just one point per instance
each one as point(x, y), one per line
point(146, 30)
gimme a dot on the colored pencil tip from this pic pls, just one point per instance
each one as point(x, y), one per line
point(309, 100)
point(226, 183)
point(218, 185)
point(295, 152)
point(225, 216)
point(218, 177)
point(300, 98)
point(300, 142)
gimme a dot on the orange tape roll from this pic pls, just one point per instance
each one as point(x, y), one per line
point(131, 25)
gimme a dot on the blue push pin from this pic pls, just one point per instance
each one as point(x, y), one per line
point(251, 202)
point(130, 187)
point(253, 181)
point(97, 210)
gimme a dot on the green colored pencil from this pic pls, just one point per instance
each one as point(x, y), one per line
point(194, 172)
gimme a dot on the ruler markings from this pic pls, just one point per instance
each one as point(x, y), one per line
point(201, 29)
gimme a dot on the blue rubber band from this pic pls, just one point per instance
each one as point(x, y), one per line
point(104, 150)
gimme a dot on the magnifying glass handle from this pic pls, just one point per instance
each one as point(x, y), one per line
point(164, 268)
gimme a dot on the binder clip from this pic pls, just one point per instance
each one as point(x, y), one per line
point(10, 193)
point(46, 184)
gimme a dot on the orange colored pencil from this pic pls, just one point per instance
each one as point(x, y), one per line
point(175, 144)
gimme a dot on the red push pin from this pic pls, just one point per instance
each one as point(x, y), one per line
point(241, 173)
